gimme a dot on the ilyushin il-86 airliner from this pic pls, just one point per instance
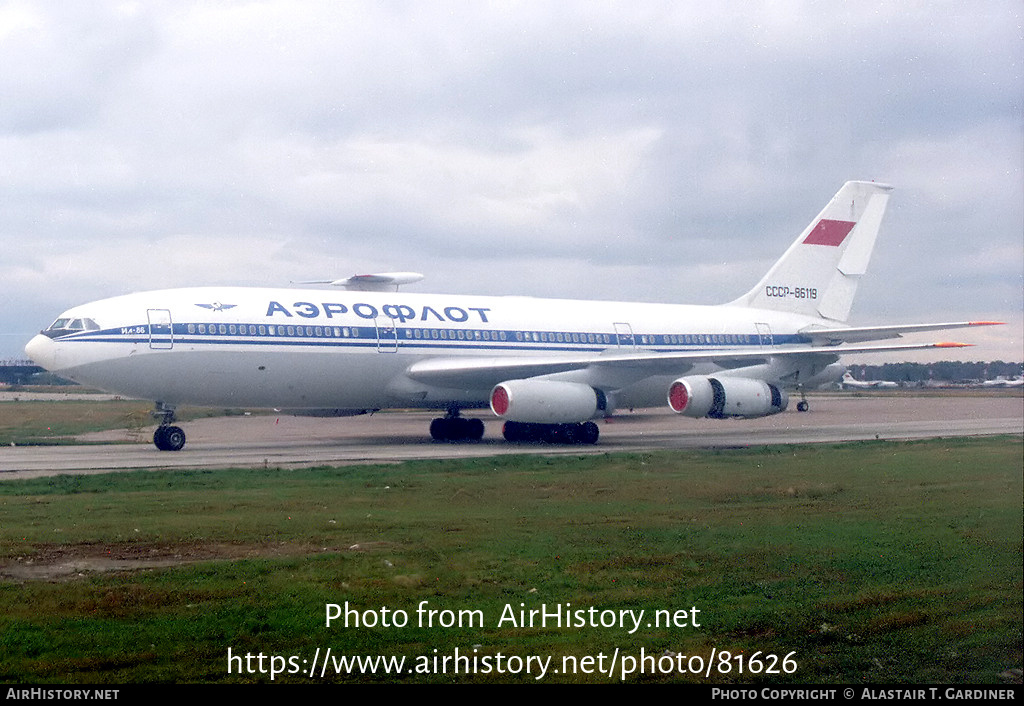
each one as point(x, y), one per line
point(547, 367)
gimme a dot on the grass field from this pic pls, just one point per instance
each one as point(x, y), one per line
point(862, 563)
point(34, 422)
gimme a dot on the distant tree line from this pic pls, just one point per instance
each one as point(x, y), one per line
point(947, 370)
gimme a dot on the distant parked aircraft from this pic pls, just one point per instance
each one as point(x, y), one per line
point(1004, 382)
point(850, 383)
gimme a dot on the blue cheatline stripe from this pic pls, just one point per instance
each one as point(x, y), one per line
point(430, 339)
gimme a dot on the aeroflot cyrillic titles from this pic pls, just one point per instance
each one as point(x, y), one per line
point(398, 312)
point(547, 367)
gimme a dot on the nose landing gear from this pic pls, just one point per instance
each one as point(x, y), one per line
point(167, 437)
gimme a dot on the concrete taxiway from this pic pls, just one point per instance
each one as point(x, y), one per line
point(272, 441)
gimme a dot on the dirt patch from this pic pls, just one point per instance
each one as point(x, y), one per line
point(69, 562)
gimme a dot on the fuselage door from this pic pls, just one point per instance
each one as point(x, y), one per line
point(387, 334)
point(624, 337)
point(161, 329)
point(764, 335)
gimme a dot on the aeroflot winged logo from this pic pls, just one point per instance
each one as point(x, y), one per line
point(217, 306)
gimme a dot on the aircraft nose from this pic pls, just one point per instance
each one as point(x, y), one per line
point(43, 352)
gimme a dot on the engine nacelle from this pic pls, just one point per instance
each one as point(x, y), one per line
point(546, 401)
point(699, 396)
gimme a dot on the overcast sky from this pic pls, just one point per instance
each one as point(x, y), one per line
point(648, 151)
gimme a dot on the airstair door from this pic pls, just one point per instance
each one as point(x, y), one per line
point(624, 337)
point(387, 334)
point(161, 329)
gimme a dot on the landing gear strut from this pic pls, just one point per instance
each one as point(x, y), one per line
point(802, 405)
point(167, 437)
point(452, 427)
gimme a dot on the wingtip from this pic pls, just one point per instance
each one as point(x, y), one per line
point(987, 323)
point(953, 344)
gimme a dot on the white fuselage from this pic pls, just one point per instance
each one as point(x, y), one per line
point(344, 350)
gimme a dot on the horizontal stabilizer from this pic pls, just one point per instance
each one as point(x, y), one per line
point(832, 336)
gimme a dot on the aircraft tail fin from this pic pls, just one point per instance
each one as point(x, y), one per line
point(819, 273)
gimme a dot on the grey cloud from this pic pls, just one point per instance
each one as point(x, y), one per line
point(635, 152)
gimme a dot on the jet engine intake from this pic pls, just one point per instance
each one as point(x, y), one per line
point(546, 401)
point(721, 397)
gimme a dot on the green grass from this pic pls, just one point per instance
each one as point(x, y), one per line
point(34, 422)
point(870, 562)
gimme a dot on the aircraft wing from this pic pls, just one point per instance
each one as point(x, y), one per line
point(476, 372)
point(831, 336)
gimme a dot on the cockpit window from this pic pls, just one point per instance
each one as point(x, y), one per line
point(63, 327)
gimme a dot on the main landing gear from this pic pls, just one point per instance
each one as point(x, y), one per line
point(802, 405)
point(167, 437)
point(452, 427)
